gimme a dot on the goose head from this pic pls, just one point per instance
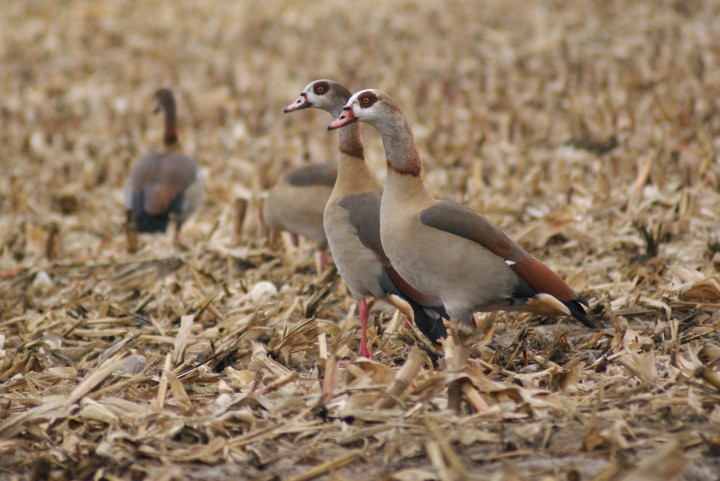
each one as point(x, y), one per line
point(370, 105)
point(321, 94)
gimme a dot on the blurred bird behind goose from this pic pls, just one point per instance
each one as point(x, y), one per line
point(165, 185)
point(297, 201)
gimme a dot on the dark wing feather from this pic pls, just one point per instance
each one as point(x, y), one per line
point(464, 222)
point(431, 326)
point(542, 279)
point(578, 312)
point(314, 174)
point(151, 223)
point(364, 210)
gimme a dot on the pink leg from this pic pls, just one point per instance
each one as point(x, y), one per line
point(407, 323)
point(473, 322)
point(363, 309)
point(324, 260)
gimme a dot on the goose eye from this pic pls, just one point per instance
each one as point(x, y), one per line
point(366, 100)
point(321, 88)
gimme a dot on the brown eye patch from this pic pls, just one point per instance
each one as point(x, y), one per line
point(367, 99)
point(321, 88)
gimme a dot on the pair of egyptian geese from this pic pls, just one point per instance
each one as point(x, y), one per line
point(444, 260)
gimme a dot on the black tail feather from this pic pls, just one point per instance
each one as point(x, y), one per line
point(431, 327)
point(578, 312)
point(151, 223)
point(145, 222)
point(583, 300)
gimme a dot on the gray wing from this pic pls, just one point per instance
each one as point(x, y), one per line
point(464, 222)
point(364, 210)
point(313, 174)
point(364, 214)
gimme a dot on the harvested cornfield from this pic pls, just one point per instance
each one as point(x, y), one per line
point(588, 130)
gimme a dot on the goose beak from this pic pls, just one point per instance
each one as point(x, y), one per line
point(299, 104)
point(347, 117)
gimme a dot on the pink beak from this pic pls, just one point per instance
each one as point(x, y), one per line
point(346, 118)
point(299, 104)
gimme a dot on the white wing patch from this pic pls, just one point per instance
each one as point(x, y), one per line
point(509, 262)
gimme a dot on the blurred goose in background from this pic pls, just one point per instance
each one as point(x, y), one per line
point(297, 201)
point(164, 185)
point(352, 224)
point(448, 251)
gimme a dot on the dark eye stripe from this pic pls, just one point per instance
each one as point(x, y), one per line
point(367, 99)
point(321, 88)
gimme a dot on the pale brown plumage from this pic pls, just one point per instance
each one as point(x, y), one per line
point(297, 201)
point(449, 252)
point(352, 219)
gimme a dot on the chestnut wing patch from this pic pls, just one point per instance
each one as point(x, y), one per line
point(157, 198)
point(315, 174)
point(364, 210)
point(466, 223)
point(408, 291)
point(160, 179)
point(542, 279)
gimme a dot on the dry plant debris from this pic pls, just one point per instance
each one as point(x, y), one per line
point(589, 130)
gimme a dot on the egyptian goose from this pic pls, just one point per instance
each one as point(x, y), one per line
point(352, 222)
point(164, 185)
point(297, 201)
point(448, 251)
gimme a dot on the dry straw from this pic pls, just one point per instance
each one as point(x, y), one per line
point(588, 130)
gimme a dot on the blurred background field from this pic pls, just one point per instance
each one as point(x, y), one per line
point(589, 130)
